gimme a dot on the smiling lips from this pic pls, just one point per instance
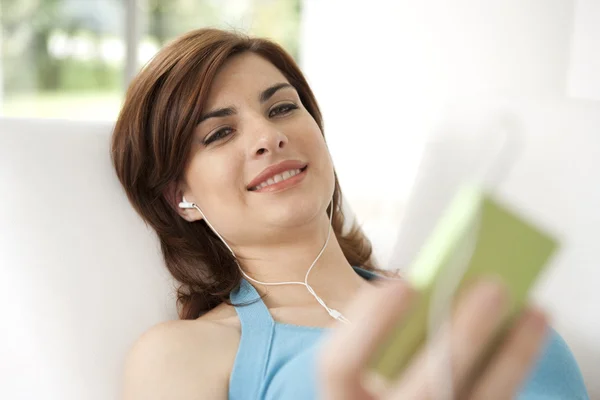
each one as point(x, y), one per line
point(278, 176)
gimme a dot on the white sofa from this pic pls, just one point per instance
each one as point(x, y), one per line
point(81, 277)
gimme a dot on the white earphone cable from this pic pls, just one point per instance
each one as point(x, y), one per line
point(332, 312)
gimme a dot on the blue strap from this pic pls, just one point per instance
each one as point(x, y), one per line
point(255, 343)
point(258, 328)
point(556, 375)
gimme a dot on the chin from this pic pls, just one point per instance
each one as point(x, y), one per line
point(296, 213)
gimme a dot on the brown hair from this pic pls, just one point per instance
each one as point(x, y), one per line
point(150, 146)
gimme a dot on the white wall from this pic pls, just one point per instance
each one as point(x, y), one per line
point(584, 71)
point(385, 74)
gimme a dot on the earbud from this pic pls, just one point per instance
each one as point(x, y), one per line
point(186, 204)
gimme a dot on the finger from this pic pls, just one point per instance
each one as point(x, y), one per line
point(443, 366)
point(510, 366)
point(347, 351)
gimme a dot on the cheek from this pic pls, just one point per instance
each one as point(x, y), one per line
point(216, 179)
point(312, 136)
point(319, 148)
point(319, 156)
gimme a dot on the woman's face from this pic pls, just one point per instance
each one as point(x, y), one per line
point(259, 164)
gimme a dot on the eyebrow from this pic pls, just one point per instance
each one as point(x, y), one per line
point(218, 113)
point(265, 95)
point(268, 93)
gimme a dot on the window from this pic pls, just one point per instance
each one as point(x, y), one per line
point(61, 58)
point(73, 58)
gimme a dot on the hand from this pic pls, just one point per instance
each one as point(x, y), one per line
point(345, 356)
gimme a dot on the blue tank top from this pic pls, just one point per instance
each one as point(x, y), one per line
point(277, 361)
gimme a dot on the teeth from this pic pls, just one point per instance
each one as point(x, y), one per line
point(278, 178)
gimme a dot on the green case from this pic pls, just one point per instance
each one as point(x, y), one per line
point(476, 236)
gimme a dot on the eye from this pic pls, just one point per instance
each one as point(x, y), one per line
point(282, 109)
point(218, 135)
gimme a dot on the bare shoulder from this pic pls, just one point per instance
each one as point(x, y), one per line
point(183, 359)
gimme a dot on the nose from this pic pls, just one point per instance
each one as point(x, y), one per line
point(267, 140)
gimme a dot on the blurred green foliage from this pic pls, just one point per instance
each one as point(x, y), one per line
point(32, 64)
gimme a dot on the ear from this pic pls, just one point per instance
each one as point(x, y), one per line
point(173, 194)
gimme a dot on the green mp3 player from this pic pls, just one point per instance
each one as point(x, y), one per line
point(476, 236)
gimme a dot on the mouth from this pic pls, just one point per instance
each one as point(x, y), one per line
point(281, 181)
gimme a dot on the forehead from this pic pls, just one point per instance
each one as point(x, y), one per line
point(245, 75)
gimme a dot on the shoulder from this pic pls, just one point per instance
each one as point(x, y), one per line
point(556, 374)
point(181, 359)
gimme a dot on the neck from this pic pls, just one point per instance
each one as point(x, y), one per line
point(332, 277)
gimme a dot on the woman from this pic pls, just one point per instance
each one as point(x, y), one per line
point(220, 149)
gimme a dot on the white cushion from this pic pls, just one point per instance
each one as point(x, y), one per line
point(81, 277)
